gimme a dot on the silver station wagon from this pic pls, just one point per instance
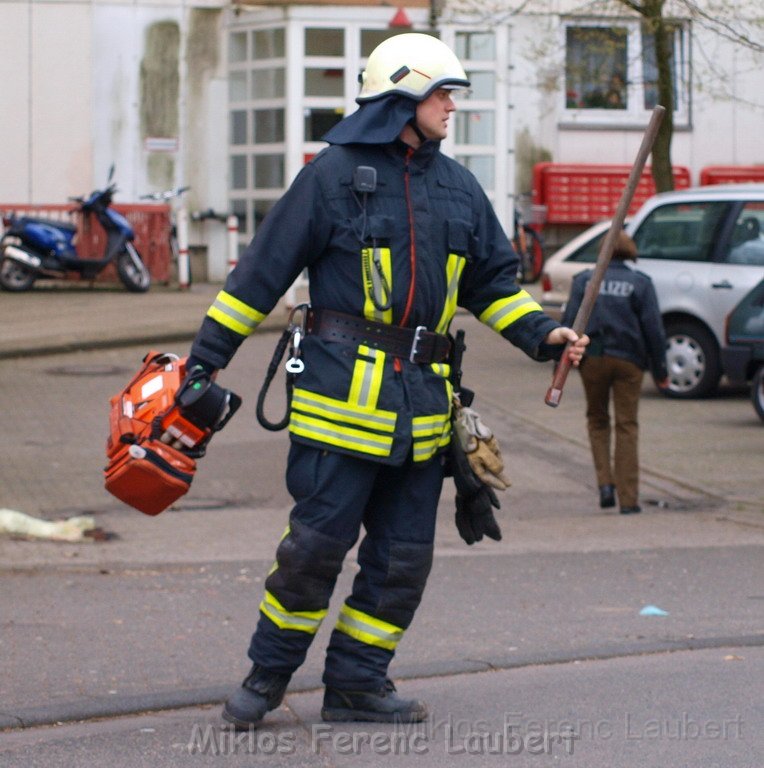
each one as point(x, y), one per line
point(704, 250)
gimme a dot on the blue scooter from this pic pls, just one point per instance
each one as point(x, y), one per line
point(32, 248)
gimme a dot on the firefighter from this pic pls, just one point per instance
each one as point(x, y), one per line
point(394, 236)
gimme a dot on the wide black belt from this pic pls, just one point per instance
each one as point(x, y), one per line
point(417, 345)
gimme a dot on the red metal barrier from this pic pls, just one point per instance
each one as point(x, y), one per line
point(151, 224)
point(584, 194)
point(731, 174)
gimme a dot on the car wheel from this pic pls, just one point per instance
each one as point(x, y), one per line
point(693, 360)
point(757, 392)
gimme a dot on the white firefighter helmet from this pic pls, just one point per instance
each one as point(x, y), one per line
point(413, 65)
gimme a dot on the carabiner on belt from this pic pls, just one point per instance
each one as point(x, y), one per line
point(294, 364)
point(294, 334)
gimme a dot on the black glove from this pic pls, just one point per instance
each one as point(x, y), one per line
point(474, 500)
point(475, 518)
point(204, 402)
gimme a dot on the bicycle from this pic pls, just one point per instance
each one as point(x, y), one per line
point(529, 246)
point(165, 197)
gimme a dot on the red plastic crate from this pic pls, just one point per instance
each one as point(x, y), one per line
point(731, 174)
point(584, 194)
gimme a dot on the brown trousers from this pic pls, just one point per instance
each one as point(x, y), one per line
point(600, 376)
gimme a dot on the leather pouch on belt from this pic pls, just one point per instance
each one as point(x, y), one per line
point(150, 476)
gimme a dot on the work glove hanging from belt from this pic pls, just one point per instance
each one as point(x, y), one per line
point(481, 447)
point(477, 468)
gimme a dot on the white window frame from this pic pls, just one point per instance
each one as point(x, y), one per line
point(295, 19)
point(635, 114)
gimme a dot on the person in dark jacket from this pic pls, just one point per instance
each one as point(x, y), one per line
point(627, 337)
point(395, 236)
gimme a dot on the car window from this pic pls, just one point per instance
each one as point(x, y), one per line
point(746, 322)
point(682, 231)
point(587, 254)
point(746, 246)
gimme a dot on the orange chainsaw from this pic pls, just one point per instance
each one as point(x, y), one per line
point(159, 424)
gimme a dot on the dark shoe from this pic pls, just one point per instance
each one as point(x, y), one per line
point(383, 706)
point(631, 510)
point(261, 691)
point(607, 496)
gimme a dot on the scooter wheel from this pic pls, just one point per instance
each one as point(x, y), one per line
point(15, 276)
point(132, 271)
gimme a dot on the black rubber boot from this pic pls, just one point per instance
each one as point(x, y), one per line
point(382, 706)
point(261, 691)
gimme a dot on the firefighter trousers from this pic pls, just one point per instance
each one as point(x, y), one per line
point(335, 495)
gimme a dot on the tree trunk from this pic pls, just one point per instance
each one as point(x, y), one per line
point(661, 160)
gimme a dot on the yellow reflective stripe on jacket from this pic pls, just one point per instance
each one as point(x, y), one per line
point(430, 433)
point(367, 629)
point(340, 436)
point(504, 312)
point(235, 314)
point(327, 420)
point(454, 266)
point(367, 377)
point(441, 369)
point(370, 312)
point(302, 621)
point(340, 410)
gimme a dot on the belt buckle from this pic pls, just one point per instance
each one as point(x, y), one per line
point(420, 329)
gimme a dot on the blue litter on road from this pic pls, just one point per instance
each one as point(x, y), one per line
point(653, 610)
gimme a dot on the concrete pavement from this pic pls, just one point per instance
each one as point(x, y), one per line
point(69, 317)
point(541, 630)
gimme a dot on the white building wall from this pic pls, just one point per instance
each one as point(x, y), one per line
point(15, 74)
point(72, 104)
point(70, 74)
point(45, 72)
point(726, 110)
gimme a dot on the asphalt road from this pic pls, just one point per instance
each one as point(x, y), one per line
point(131, 643)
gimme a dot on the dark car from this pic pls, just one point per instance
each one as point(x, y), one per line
point(744, 353)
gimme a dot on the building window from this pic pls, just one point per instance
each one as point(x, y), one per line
point(318, 121)
point(268, 44)
point(268, 171)
point(237, 86)
point(268, 125)
point(238, 127)
point(267, 83)
point(324, 42)
point(476, 46)
point(475, 126)
point(595, 67)
point(324, 82)
point(611, 72)
point(238, 172)
point(237, 48)
point(482, 85)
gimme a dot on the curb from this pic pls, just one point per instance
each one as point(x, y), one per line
point(104, 707)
